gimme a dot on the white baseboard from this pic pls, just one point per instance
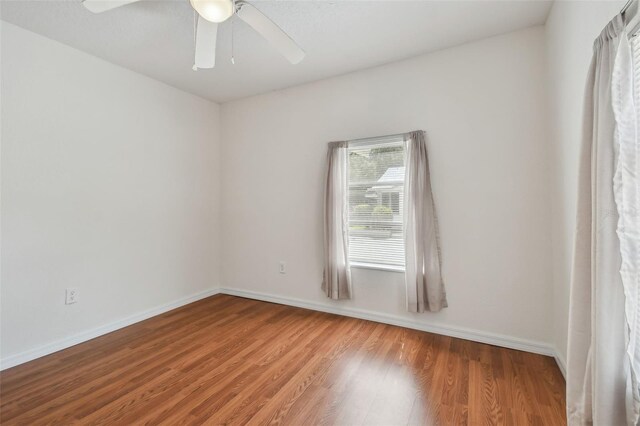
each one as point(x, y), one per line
point(22, 357)
point(452, 331)
point(562, 363)
point(459, 332)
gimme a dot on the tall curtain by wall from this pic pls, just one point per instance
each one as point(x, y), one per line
point(602, 385)
point(336, 282)
point(423, 279)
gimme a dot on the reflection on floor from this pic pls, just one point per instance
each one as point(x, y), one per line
point(232, 360)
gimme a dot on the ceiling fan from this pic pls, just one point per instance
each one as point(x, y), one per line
point(210, 14)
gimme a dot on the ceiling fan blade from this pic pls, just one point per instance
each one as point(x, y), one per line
point(206, 35)
point(271, 32)
point(98, 6)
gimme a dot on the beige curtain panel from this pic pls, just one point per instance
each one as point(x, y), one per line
point(336, 282)
point(425, 287)
point(603, 355)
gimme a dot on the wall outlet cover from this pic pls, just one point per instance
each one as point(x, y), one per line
point(71, 296)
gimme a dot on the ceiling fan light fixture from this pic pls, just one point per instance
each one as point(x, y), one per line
point(210, 14)
point(214, 10)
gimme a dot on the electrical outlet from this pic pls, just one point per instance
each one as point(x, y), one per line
point(283, 267)
point(71, 296)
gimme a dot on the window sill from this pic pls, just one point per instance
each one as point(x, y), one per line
point(377, 267)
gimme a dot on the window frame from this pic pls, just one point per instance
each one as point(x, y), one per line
point(372, 143)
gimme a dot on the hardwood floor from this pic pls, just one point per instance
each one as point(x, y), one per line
point(228, 360)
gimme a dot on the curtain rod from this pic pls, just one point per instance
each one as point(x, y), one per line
point(395, 135)
point(626, 6)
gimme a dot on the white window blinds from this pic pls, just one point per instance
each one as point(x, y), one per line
point(376, 184)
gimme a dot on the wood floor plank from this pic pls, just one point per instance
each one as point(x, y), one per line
point(229, 360)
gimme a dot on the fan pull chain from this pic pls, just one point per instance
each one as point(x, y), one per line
point(233, 61)
point(195, 40)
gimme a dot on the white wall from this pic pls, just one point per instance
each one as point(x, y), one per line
point(483, 107)
point(109, 184)
point(571, 28)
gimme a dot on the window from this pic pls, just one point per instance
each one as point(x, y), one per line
point(376, 185)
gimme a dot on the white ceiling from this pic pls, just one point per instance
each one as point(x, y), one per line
point(155, 38)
